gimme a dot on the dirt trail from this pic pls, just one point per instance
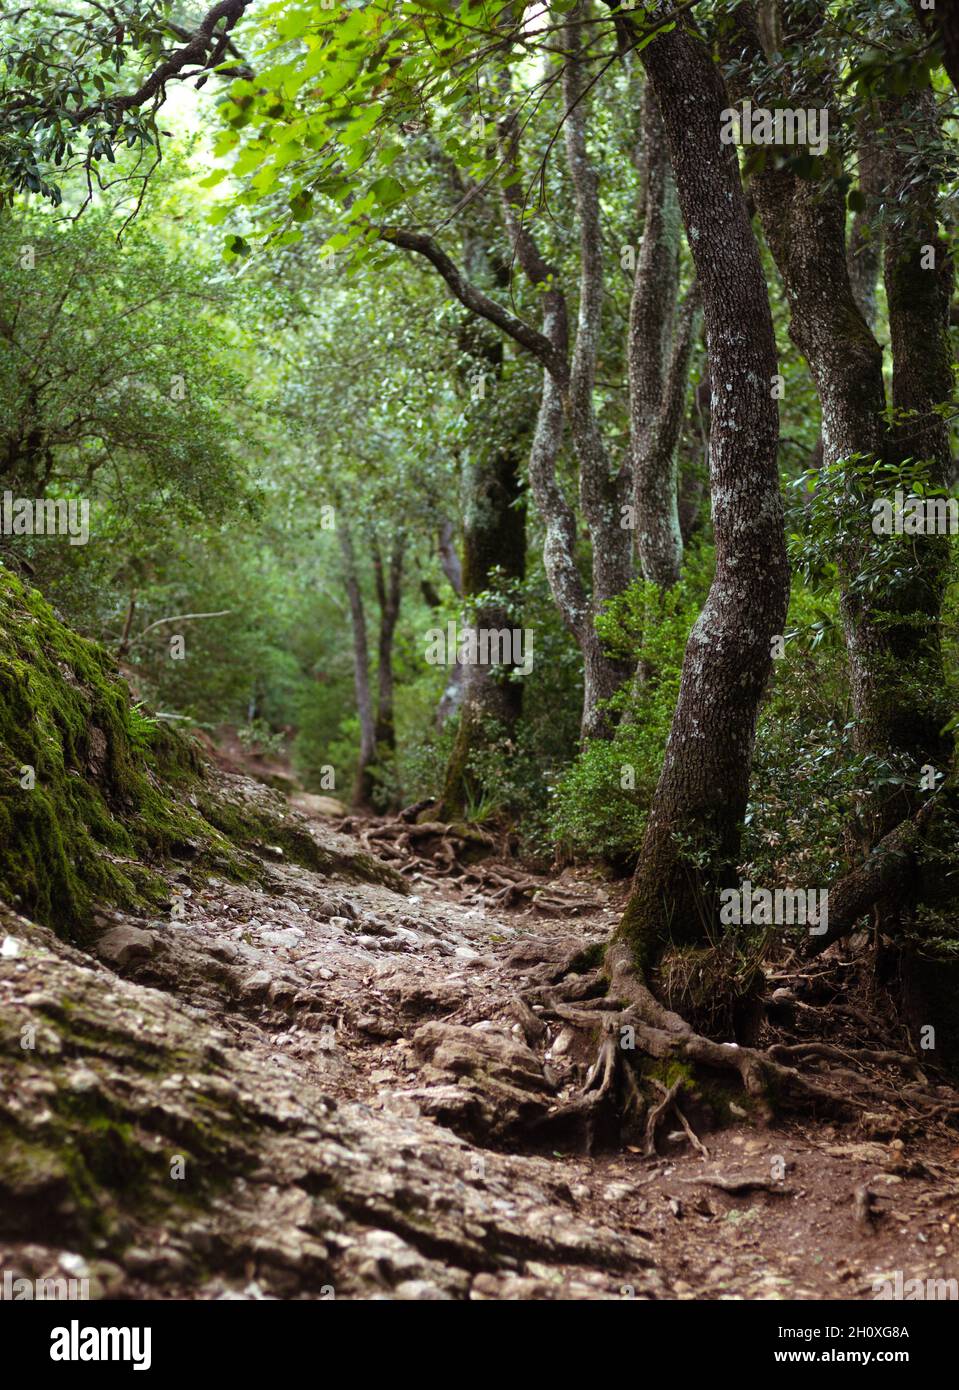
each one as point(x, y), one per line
point(359, 1102)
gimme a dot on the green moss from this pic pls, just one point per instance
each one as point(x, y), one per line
point(718, 1095)
point(114, 794)
point(247, 825)
point(588, 959)
point(103, 810)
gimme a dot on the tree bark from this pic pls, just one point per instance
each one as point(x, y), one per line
point(691, 846)
point(452, 696)
point(494, 539)
point(603, 493)
point(659, 347)
point(363, 782)
point(892, 635)
point(494, 553)
point(388, 594)
point(864, 252)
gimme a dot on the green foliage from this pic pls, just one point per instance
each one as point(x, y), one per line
point(59, 67)
point(141, 371)
point(835, 511)
point(601, 802)
point(804, 782)
point(258, 737)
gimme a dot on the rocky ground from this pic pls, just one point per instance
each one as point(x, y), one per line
point(330, 1087)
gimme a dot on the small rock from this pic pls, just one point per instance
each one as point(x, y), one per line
point(258, 984)
point(617, 1191)
point(291, 937)
point(121, 946)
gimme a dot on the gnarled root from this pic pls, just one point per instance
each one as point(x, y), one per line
point(639, 1026)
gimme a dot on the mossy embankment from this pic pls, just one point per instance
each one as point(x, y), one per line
point(95, 796)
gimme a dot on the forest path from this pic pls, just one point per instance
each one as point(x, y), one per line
point(808, 1240)
point(359, 1104)
point(424, 990)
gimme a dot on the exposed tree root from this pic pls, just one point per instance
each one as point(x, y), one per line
point(467, 857)
point(634, 1025)
point(740, 1187)
point(840, 1054)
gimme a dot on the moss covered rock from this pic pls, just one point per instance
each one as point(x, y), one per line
point(90, 787)
point(95, 796)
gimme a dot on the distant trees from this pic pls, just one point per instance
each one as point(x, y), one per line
point(490, 135)
point(118, 371)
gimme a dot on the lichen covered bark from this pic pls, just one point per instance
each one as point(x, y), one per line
point(892, 630)
point(658, 351)
point(692, 839)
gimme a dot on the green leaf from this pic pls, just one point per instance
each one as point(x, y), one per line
point(301, 206)
point(387, 191)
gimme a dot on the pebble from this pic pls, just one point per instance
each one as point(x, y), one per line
point(617, 1191)
point(290, 937)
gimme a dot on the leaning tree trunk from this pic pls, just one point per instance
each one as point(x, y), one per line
point(892, 631)
point(692, 839)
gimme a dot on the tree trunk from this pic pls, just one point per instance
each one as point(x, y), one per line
point(363, 782)
point(388, 594)
point(494, 539)
point(892, 634)
point(567, 394)
point(691, 846)
point(494, 553)
point(452, 696)
point(659, 346)
point(864, 253)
